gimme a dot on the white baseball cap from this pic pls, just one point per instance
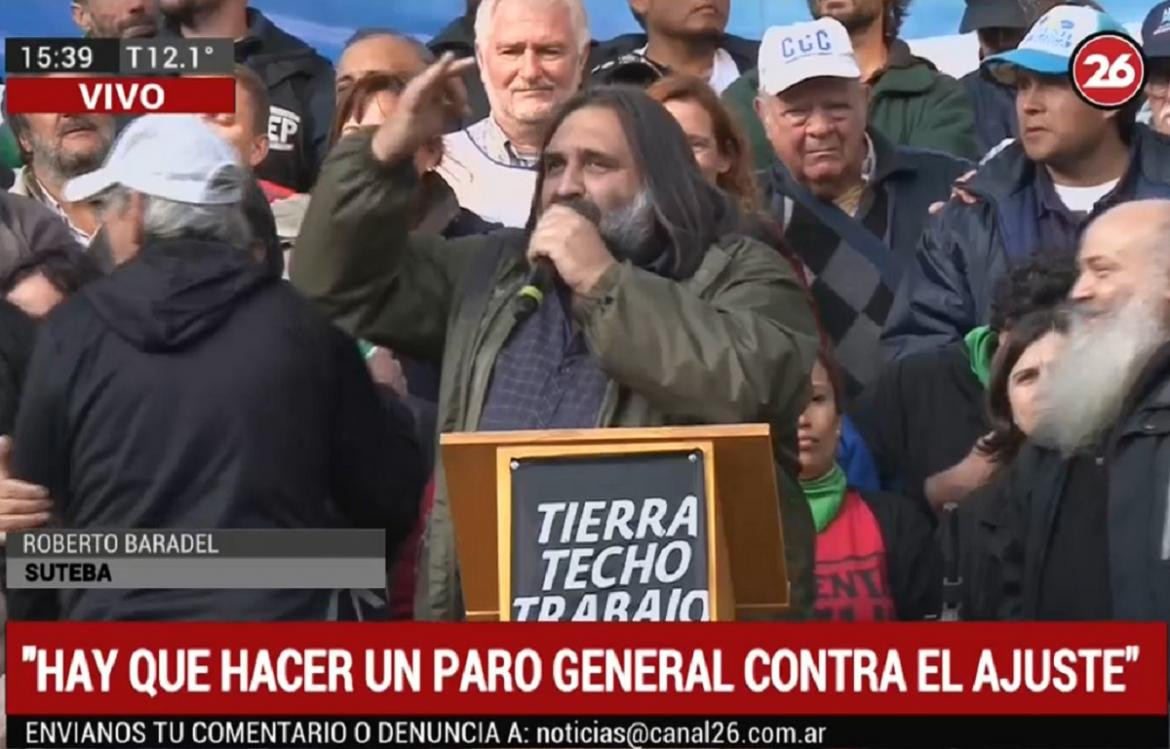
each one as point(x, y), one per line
point(815, 49)
point(172, 156)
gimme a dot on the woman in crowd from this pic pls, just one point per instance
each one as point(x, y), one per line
point(716, 140)
point(877, 558)
point(1017, 375)
point(721, 151)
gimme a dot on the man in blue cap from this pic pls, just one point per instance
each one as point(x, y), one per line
point(1156, 45)
point(1000, 25)
point(1071, 162)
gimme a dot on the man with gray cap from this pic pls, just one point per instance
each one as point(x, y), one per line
point(192, 389)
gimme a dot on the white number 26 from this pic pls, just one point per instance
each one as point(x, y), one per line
point(1118, 74)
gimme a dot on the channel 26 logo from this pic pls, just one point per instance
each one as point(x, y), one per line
point(1108, 70)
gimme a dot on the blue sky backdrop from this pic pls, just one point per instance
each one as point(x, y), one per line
point(325, 25)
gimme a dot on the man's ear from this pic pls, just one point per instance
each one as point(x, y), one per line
point(259, 150)
point(81, 17)
point(762, 107)
point(641, 6)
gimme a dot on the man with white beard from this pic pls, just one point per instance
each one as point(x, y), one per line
point(1088, 502)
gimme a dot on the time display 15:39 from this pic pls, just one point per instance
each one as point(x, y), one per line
point(55, 55)
point(61, 58)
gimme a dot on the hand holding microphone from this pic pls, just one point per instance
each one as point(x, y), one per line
point(566, 243)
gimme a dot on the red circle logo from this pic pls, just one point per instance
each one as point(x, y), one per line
point(1108, 69)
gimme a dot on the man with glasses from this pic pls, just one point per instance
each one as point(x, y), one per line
point(852, 203)
point(1156, 45)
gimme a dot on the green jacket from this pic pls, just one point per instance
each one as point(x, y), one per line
point(912, 104)
point(735, 343)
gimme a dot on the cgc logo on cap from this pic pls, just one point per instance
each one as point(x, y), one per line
point(1108, 69)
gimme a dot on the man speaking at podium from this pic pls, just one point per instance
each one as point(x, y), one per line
point(651, 310)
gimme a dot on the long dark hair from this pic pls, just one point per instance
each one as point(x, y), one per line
point(692, 213)
point(1006, 438)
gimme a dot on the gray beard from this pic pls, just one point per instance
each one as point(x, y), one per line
point(1088, 382)
point(631, 233)
point(64, 166)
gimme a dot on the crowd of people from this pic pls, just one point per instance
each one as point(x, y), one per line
point(950, 299)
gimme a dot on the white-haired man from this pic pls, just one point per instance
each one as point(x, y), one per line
point(1089, 503)
point(164, 395)
point(532, 56)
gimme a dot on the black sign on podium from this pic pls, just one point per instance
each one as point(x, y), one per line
point(621, 537)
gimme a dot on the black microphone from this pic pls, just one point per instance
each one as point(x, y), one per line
point(542, 275)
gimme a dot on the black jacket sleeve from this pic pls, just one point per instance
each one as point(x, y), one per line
point(378, 467)
point(913, 556)
point(40, 453)
point(934, 304)
point(40, 449)
point(320, 103)
point(981, 546)
point(880, 417)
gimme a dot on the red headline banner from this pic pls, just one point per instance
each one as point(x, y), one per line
point(600, 669)
point(79, 95)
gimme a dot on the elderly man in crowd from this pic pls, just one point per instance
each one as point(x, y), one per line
point(910, 102)
point(55, 149)
point(1156, 47)
point(852, 204)
point(181, 358)
point(1088, 508)
point(1071, 163)
point(740, 340)
point(531, 55)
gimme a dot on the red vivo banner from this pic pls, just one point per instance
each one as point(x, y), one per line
point(115, 95)
point(289, 669)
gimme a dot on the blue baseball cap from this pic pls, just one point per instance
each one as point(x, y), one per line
point(1049, 45)
point(1156, 31)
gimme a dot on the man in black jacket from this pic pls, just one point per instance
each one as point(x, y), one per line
point(852, 204)
point(214, 396)
point(300, 83)
point(1000, 25)
point(1087, 507)
point(1071, 163)
point(682, 36)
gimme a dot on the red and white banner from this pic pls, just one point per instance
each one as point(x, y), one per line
point(589, 669)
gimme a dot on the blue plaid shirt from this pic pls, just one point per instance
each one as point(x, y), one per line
point(545, 377)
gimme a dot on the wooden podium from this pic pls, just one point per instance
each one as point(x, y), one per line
point(531, 508)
